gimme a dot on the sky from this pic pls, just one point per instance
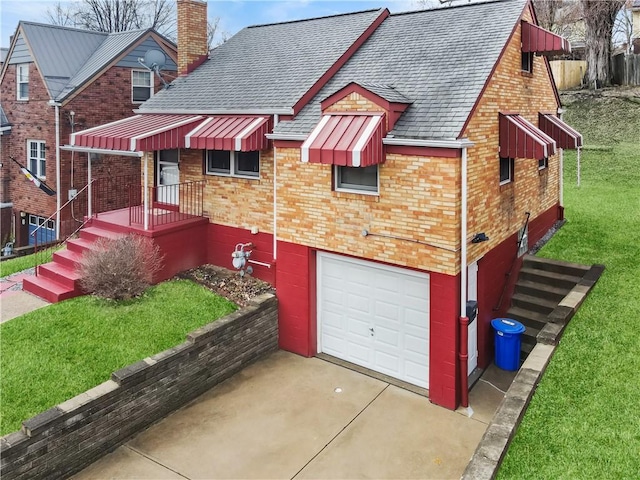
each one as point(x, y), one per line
point(234, 14)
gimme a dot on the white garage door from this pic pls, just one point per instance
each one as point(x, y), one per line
point(375, 316)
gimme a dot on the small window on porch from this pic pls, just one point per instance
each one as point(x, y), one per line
point(231, 163)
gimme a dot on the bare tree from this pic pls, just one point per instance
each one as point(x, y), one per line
point(599, 18)
point(623, 29)
point(115, 15)
point(547, 12)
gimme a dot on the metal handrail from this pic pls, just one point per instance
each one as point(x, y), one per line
point(513, 263)
point(57, 212)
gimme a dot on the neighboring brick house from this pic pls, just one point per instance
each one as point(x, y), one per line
point(72, 79)
point(383, 167)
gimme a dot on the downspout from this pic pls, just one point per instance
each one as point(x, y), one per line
point(57, 105)
point(464, 320)
point(276, 119)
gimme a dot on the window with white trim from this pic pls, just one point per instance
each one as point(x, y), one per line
point(232, 163)
point(543, 163)
point(22, 81)
point(141, 86)
point(36, 159)
point(506, 170)
point(523, 237)
point(357, 179)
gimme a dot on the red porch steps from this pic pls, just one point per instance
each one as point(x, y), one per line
point(58, 280)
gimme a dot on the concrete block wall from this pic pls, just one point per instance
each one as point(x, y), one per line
point(67, 438)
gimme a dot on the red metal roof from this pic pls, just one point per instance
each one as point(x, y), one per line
point(346, 140)
point(537, 39)
point(245, 133)
point(519, 138)
point(563, 134)
point(143, 133)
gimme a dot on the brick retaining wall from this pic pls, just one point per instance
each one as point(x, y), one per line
point(67, 438)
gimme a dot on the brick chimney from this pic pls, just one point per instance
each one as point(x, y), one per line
point(193, 48)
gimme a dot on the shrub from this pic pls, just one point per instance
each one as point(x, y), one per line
point(120, 268)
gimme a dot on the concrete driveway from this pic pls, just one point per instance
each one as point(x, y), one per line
point(292, 417)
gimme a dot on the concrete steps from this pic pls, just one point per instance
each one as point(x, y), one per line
point(59, 280)
point(541, 286)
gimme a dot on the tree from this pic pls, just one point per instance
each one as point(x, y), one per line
point(547, 13)
point(599, 18)
point(114, 15)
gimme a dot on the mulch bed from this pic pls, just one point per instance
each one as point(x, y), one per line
point(228, 283)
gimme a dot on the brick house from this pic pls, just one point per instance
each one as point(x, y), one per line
point(69, 79)
point(384, 175)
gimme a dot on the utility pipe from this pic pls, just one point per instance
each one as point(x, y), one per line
point(89, 190)
point(56, 106)
point(276, 119)
point(464, 321)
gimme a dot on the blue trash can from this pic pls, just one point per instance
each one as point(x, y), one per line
point(507, 343)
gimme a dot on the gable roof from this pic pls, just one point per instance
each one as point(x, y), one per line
point(265, 67)
point(436, 58)
point(69, 57)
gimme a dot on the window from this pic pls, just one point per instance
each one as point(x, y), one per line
point(359, 179)
point(240, 164)
point(523, 239)
point(527, 62)
point(506, 170)
point(36, 158)
point(141, 85)
point(543, 163)
point(22, 77)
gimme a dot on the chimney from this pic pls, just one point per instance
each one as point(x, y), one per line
point(193, 47)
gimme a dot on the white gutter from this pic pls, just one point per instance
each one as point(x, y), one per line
point(56, 106)
point(276, 119)
point(5, 129)
point(218, 111)
point(103, 151)
point(296, 137)
point(414, 142)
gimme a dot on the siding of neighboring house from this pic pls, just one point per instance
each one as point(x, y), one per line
point(105, 98)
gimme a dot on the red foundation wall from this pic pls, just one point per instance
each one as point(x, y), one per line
point(492, 275)
point(222, 241)
point(443, 339)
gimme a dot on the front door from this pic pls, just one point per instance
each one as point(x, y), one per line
point(168, 177)
point(472, 294)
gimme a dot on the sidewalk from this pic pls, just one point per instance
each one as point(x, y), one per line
point(13, 300)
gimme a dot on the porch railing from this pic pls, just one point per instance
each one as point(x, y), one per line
point(166, 203)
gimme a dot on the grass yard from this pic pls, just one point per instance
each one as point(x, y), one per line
point(583, 420)
point(57, 352)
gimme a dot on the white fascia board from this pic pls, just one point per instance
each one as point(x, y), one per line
point(298, 137)
point(414, 142)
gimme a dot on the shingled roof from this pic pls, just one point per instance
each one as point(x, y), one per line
point(265, 67)
point(438, 58)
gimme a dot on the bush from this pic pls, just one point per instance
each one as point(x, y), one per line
point(120, 268)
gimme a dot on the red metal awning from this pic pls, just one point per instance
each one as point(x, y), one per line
point(142, 133)
point(346, 140)
point(537, 39)
point(563, 134)
point(519, 138)
point(239, 133)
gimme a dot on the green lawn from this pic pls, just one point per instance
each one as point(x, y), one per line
point(57, 352)
point(583, 420)
point(19, 264)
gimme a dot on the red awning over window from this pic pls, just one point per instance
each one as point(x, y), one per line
point(519, 138)
point(346, 140)
point(563, 134)
point(142, 133)
point(538, 40)
point(230, 133)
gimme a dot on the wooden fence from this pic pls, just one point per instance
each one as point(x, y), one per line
point(568, 73)
point(626, 69)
